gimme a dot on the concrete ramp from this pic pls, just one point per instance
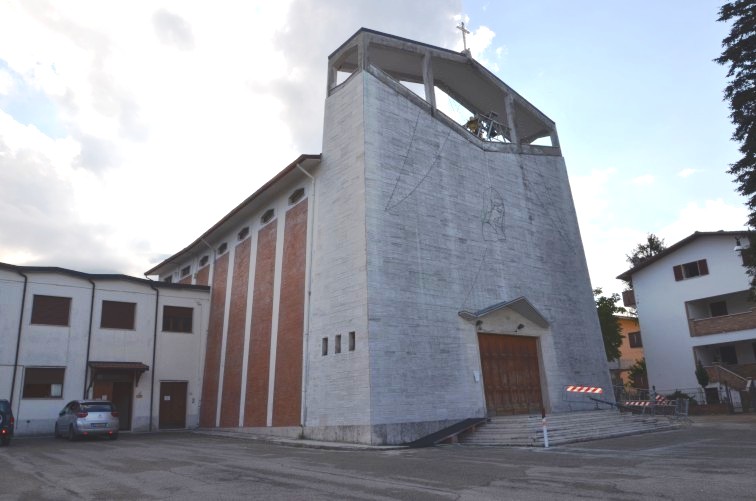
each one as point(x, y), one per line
point(527, 431)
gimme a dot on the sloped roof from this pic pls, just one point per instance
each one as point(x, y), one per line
point(99, 276)
point(239, 208)
point(672, 248)
point(456, 73)
point(519, 305)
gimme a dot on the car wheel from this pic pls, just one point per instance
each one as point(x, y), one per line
point(5, 441)
point(114, 436)
point(71, 433)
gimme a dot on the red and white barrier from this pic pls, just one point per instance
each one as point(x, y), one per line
point(585, 389)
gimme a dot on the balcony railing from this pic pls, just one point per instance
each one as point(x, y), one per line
point(725, 323)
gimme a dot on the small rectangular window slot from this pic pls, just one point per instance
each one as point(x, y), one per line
point(324, 347)
point(351, 341)
point(337, 344)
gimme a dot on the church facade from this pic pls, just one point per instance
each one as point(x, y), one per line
point(418, 272)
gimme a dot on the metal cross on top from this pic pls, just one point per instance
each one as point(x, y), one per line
point(464, 31)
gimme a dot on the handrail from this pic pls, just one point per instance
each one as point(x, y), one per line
point(732, 375)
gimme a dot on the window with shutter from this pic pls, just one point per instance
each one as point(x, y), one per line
point(690, 270)
point(678, 272)
point(118, 315)
point(177, 319)
point(43, 382)
point(51, 310)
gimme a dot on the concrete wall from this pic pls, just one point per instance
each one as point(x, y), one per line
point(11, 291)
point(661, 308)
point(178, 356)
point(451, 227)
point(338, 384)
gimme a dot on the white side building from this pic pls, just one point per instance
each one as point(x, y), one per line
point(692, 303)
point(69, 335)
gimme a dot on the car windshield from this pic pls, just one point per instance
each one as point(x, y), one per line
point(4, 406)
point(97, 407)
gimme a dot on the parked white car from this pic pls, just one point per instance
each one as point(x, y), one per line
point(81, 418)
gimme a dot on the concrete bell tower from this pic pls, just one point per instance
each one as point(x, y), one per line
point(448, 278)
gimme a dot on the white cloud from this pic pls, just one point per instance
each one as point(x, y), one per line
point(6, 82)
point(479, 42)
point(590, 193)
point(687, 172)
point(644, 180)
point(162, 105)
point(707, 215)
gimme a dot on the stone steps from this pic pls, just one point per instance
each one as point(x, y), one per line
point(564, 428)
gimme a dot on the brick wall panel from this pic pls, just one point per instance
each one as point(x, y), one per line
point(203, 276)
point(214, 340)
point(287, 399)
point(234, 361)
point(258, 365)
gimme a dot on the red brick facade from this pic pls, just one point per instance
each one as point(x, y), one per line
point(255, 391)
point(214, 338)
point(287, 399)
point(258, 366)
point(234, 360)
point(203, 276)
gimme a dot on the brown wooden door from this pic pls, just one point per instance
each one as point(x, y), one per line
point(510, 374)
point(118, 392)
point(122, 398)
point(172, 404)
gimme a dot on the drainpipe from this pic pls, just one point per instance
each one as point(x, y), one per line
point(18, 340)
point(310, 230)
point(154, 350)
point(89, 338)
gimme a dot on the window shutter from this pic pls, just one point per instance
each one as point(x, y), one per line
point(678, 272)
point(703, 268)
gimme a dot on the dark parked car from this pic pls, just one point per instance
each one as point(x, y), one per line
point(6, 422)
point(87, 417)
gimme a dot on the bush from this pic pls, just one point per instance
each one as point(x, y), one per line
point(677, 395)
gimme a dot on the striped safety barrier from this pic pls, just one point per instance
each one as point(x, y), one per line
point(660, 400)
point(585, 389)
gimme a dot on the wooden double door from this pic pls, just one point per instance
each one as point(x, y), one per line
point(511, 378)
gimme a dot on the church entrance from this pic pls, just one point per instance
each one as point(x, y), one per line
point(511, 378)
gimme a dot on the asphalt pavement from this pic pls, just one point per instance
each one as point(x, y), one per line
point(713, 458)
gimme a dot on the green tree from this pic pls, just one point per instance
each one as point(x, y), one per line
point(701, 375)
point(606, 307)
point(740, 54)
point(638, 375)
point(651, 247)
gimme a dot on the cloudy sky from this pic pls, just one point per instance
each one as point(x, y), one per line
point(129, 128)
